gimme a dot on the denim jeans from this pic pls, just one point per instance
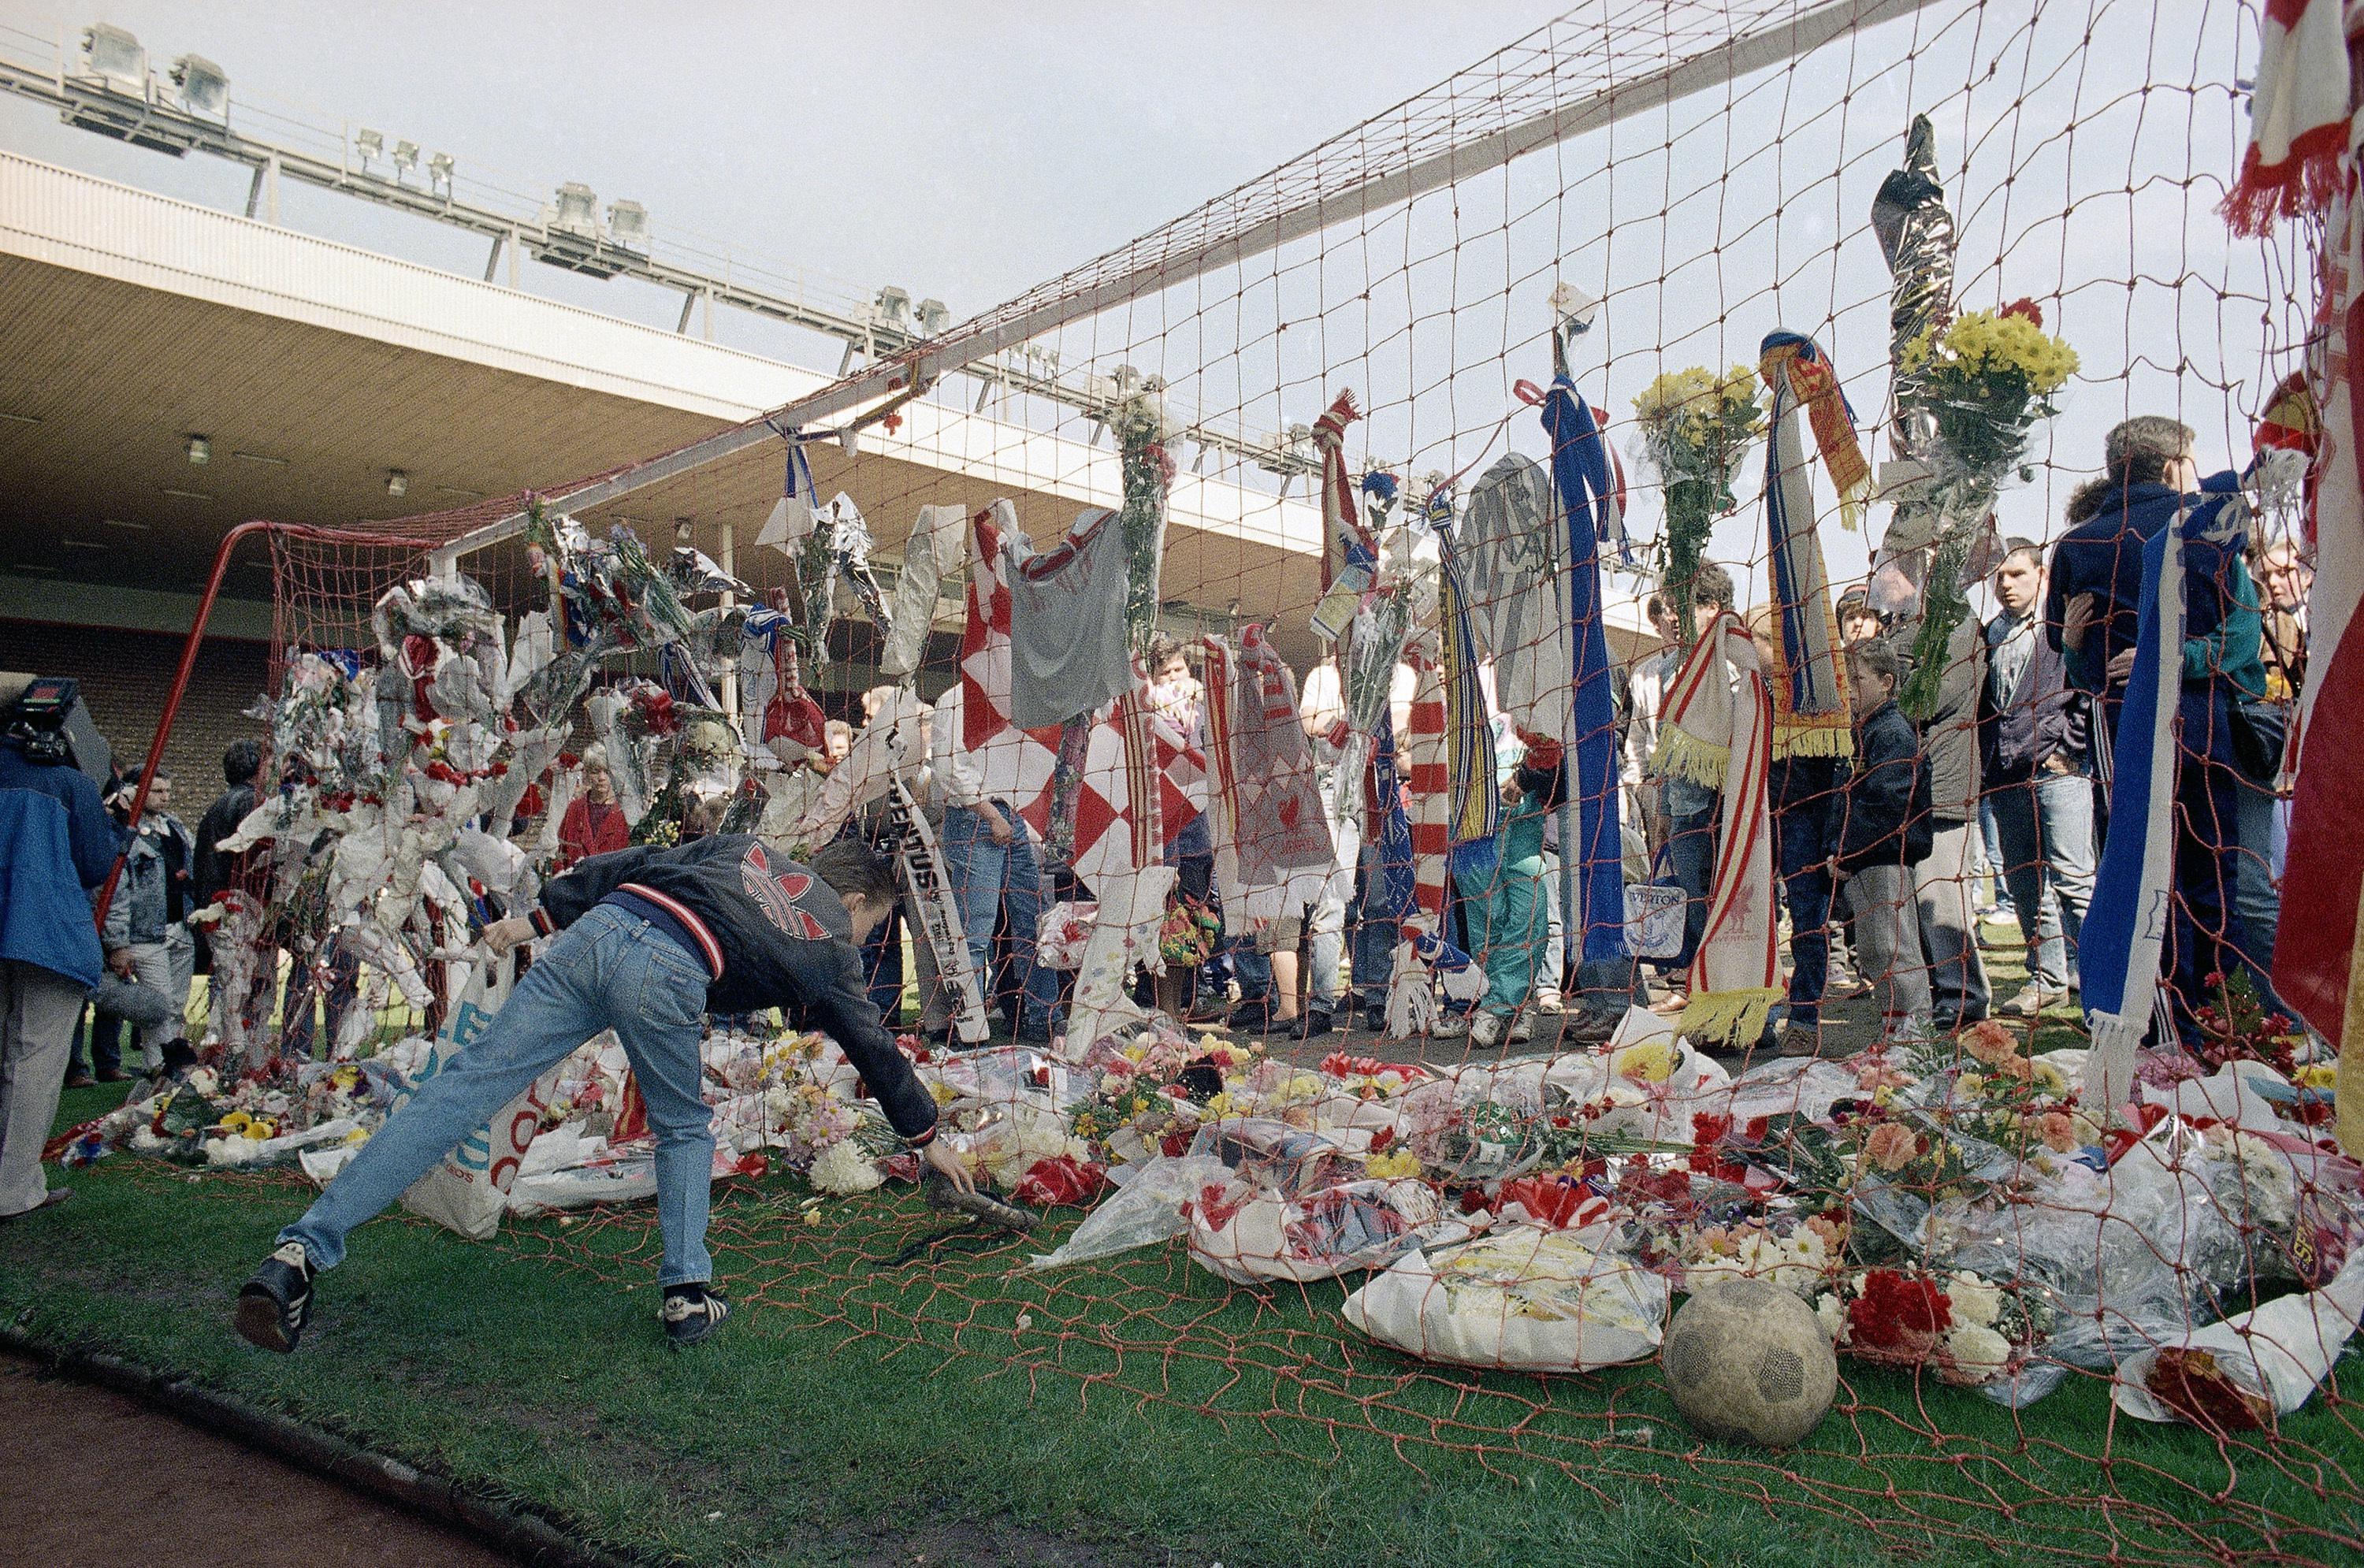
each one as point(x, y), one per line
point(976, 868)
point(1037, 988)
point(2256, 897)
point(2046, 825)
point(1957, 974)
point(1807, 842)
point(1374, 936)
point(609, 970)
point(1691, 854)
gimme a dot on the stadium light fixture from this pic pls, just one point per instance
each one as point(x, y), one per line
point(116, 58)
point(205, 88)
point(397, 482)
point(577, 211)
point(439, 172)
point(628, 225)
point(368, 144)
point(201, 452)
point(934, 317)
point(895, 308)
point(406, 158)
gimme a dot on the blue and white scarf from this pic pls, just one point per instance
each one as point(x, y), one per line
point(2126, 923)
point(1592, 861)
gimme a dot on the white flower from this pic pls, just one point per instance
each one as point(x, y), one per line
point(1978, 1353)
point(1831, 1315)
point(1974, 1300)
point(843, 1168)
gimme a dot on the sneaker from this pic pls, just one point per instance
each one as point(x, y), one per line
point(1584, 1026)
point(274, 1306)
point(1449, 1026)
point(1374, 1020)
point(1801, 1039)
point(1550, 1002)
point(1485, 1031)
point(690, 1313)
point(1521, 1030)
point(2030, 999)
point(1252, 1016)
point(1312, 1026)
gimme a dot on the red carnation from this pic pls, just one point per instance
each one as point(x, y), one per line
point(1899, 1312)
point(2027, 310)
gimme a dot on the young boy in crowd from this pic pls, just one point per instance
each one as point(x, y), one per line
point(1505, 908)
point(648, 941)
point(1885, 830)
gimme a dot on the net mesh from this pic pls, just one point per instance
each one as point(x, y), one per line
point(1639, 197)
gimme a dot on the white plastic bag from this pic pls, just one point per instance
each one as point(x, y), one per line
point(467, 1191)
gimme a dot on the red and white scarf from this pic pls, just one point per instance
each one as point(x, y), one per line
point(1720, 705)
point(2297, 117)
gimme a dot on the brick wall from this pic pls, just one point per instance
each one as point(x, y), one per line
point(124, 676)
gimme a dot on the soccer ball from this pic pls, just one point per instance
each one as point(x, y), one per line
point(1748, 1361)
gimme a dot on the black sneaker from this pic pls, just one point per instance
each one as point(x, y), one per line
point(1374, 1020)
point(691, 1312)
point(278, 1302)
point(1312, 1026)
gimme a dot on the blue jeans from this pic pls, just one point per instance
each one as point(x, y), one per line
point(1691, 854)
point(975, 871)
point(609, 970)
point(2256, 897)
point(1374, 936)
point(2046, 824)
point(1807, 842)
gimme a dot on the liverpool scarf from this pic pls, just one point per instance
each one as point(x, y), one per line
point(1428, 776)
point(1805, 391)
point(1695, 716)
point(2127, 922)
point(1349, 555)
point(1734, 975)
point(2298, 120)
point(1596, 864)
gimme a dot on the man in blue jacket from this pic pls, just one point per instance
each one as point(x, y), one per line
point(648, 941)
point(57, 841)
point(2092, 615)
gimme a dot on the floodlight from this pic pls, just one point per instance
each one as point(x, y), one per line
point(934, 317)
point(628, 225)
point(439, 172)
point(205, 89)
point(405, 157)
point(1128, 381)
point(1573, 308)
point(200, 451)
point(895, 308)
point(116, 57)
point(578, 211)
point(397, 482)
point(368, 144)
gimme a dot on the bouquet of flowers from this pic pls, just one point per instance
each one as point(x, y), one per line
point(1696, 427)
point(1984, 382)
point(1970, 1330)
point(2022, 1105)
point(1796, 1251)
point(1142, 428)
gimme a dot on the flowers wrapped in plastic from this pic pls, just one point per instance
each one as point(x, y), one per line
point(1984, 380)
point(1525, 1298)
point(1970, 1330)
point(1696, 426)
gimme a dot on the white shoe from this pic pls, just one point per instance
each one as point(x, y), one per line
point(1485, 1031)
point(1550, 1002)
point(1449, 1026)
point(1521, 1030)
point(2030, 999)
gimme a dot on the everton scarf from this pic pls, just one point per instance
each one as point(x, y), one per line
point(1596, 865)
point(2125, 926)
point(1735, 976)
point(1806, 390)
point(1477, 799)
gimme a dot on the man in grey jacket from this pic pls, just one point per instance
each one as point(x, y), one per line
point(1943, 883)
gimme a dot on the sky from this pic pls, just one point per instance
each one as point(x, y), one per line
point(968, 152)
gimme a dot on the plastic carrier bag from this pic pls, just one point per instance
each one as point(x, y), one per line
point(468, 1190)
point(1653, 915)
point(1523, 1299)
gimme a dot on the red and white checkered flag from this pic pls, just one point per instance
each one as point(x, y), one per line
point(1016, 764)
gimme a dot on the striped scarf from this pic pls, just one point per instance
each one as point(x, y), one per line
point(2128, 920)
point(1813, 698)
point(1349, 554)
point(2297, 117)
point(1695, 713)
point(1476, 797)
point(1735, 977)
point(1428, 777)
point(1593, 875)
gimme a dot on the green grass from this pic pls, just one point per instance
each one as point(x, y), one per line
point(1143, 1412)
